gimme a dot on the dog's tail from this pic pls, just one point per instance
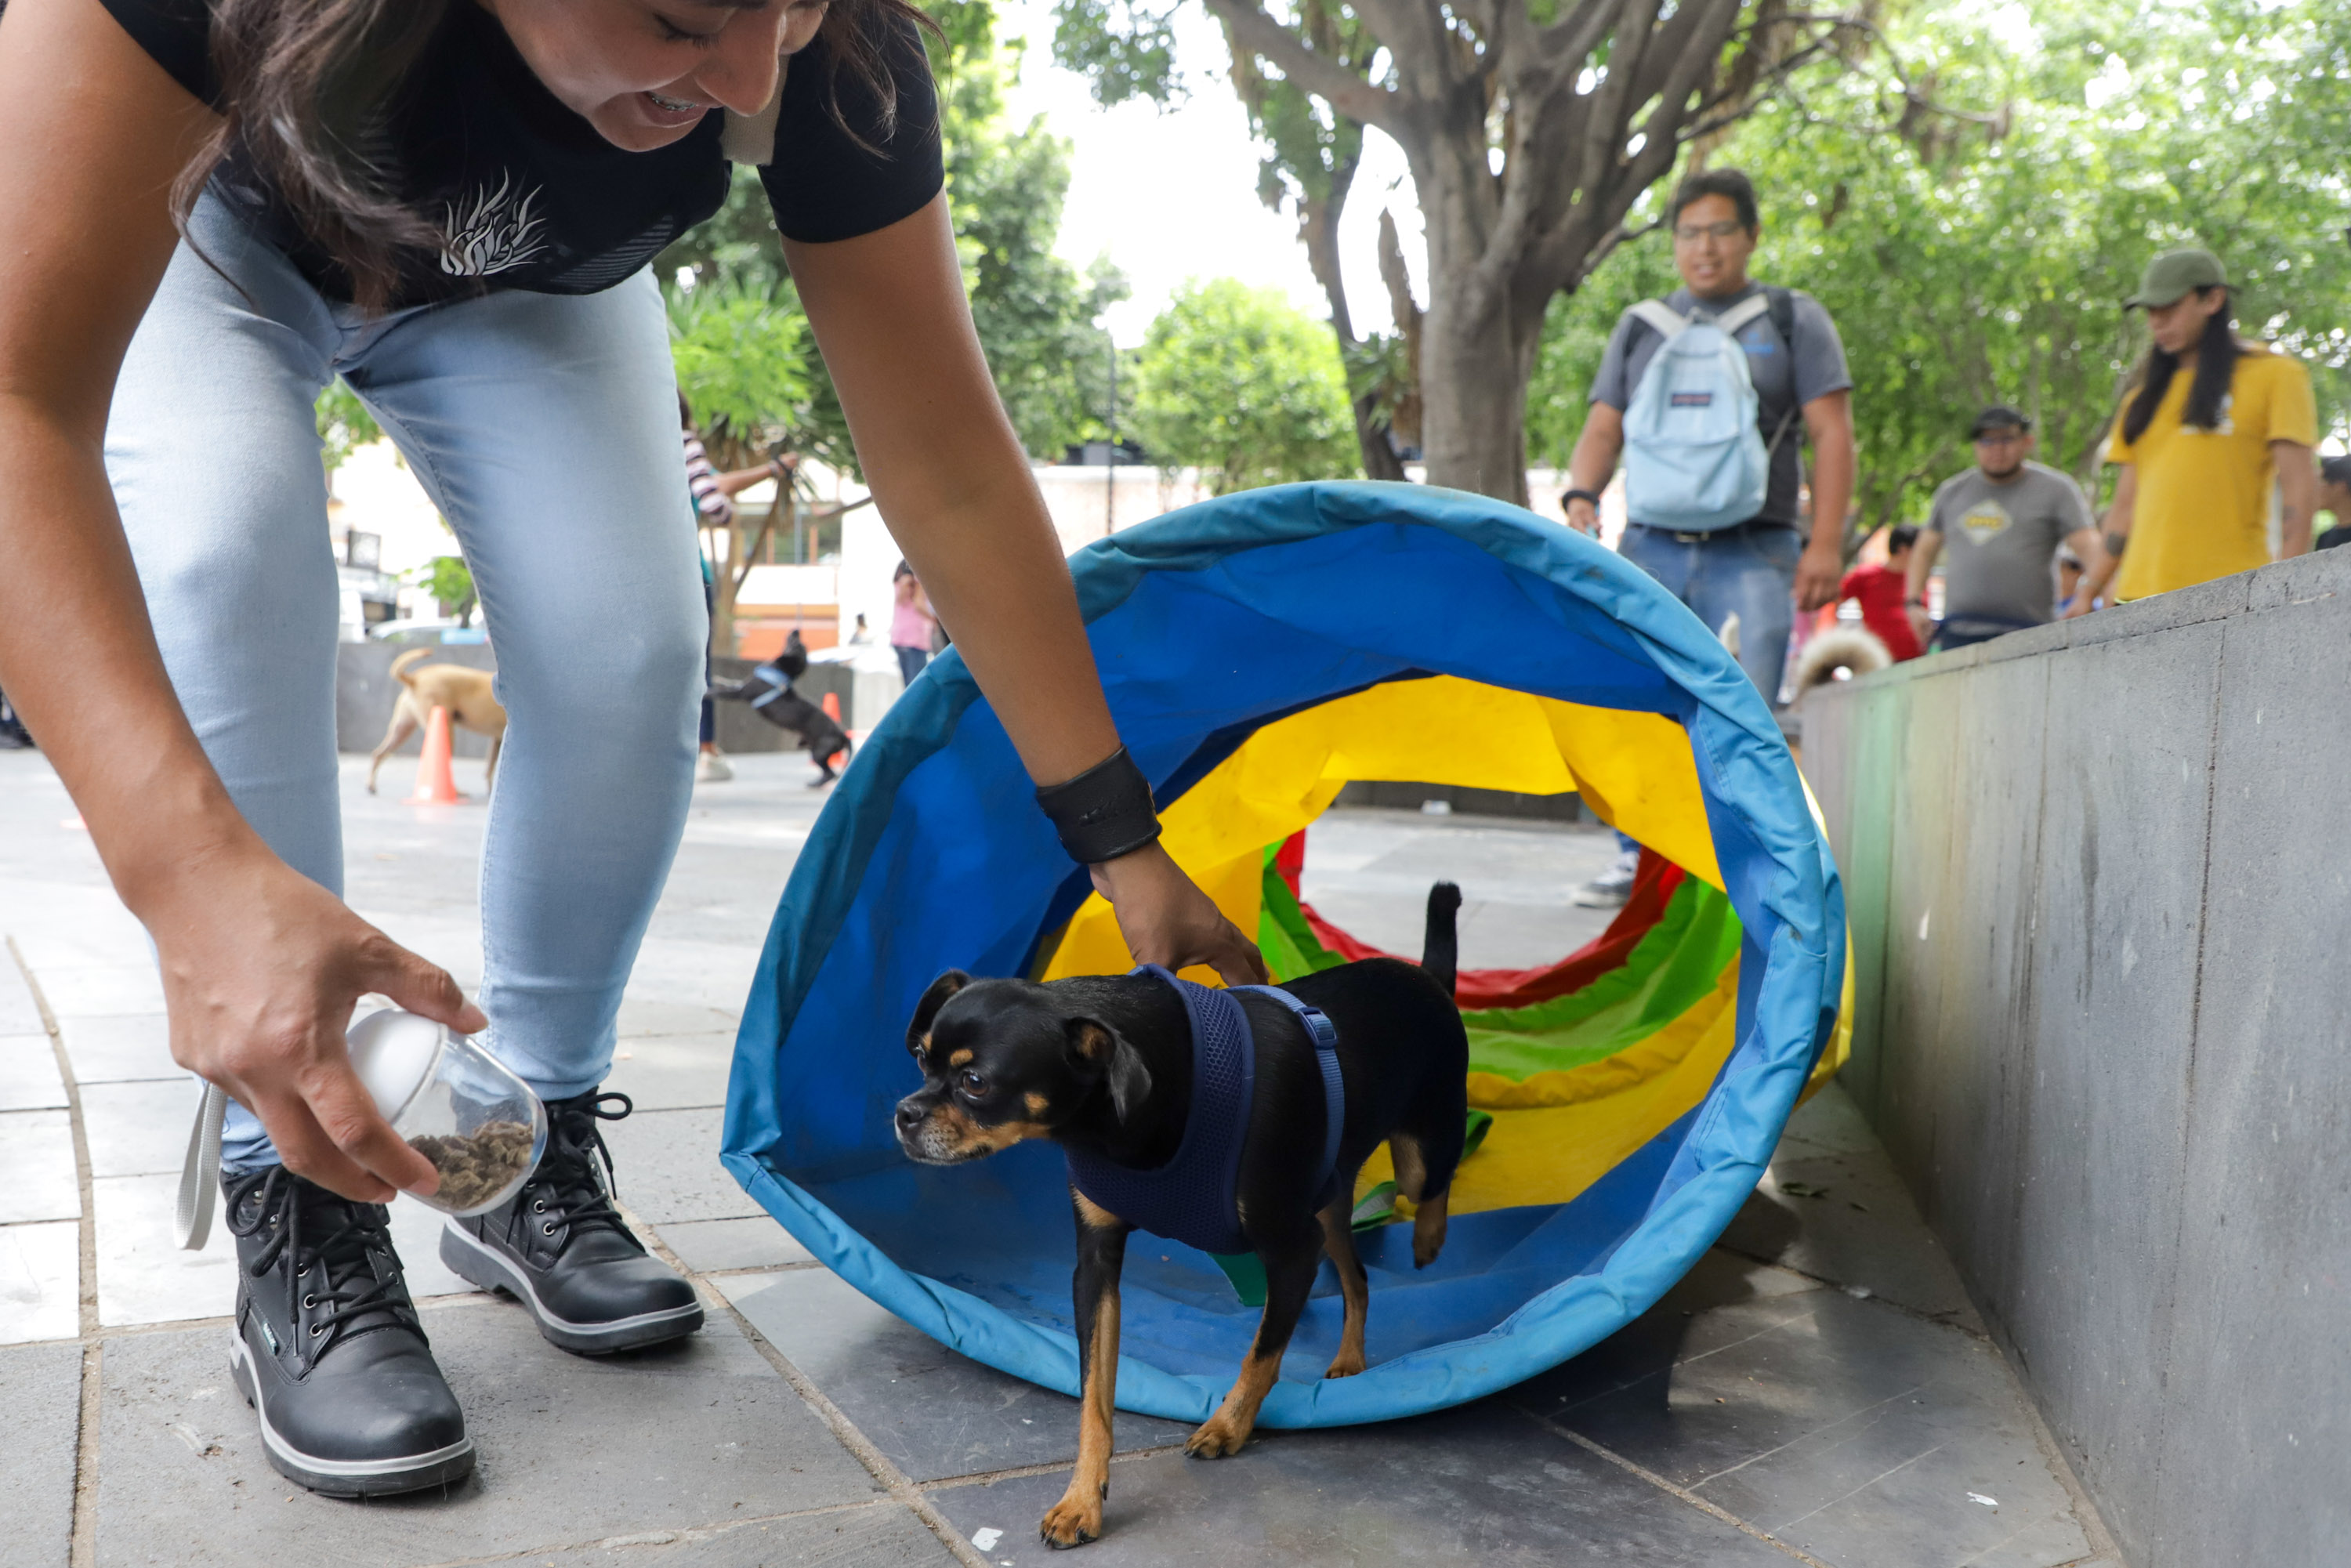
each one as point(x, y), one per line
point(1440, 952)
point(400, 665)
point(1850, 649)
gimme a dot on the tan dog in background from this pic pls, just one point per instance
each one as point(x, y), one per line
point(465, 692)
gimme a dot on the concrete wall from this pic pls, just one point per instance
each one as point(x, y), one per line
point(2099, 879)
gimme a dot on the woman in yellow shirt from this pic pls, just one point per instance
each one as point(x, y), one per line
point(2215, 420)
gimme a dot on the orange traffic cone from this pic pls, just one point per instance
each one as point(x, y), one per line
point(435, 786)
point(831, 706)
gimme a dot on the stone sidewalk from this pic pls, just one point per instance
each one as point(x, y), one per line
point(1817, 1391)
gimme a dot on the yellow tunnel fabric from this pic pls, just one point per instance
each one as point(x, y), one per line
point(1633, 769)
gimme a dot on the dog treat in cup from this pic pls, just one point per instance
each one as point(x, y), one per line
point(479, 1124)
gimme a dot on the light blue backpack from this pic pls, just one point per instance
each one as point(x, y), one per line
point(1694, 460)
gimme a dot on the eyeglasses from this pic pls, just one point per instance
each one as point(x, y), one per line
point(1690, 234)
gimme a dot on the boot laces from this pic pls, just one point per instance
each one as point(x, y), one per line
point(574, 1174)
point(352, 1298)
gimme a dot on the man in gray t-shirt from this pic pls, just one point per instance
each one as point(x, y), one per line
point(1997, 528)
point(1787, 375)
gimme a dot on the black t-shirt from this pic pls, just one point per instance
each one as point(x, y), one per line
point(528, 196)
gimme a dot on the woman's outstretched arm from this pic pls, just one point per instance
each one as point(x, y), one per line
point(949, 473)
point(260, 964)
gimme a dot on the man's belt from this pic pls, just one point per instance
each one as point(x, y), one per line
point(1707, 535)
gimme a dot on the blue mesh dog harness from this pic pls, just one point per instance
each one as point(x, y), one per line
point(1192, 1197)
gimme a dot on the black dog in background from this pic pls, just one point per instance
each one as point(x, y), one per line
point(770, 693)
point(1106, 1063)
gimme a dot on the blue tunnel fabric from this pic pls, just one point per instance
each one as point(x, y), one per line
point(1205, 622)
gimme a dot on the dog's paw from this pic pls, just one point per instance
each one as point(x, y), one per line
point(1346, 1363)
point(1072, 1522)
point(1218, 1437)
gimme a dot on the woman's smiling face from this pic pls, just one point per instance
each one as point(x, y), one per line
point(644, 72)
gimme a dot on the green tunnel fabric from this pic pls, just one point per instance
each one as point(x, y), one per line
point(1206, 624)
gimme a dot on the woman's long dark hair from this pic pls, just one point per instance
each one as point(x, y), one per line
point(308, 87)
point(2208, 394)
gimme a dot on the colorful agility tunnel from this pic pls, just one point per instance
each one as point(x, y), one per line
point(1259, 651)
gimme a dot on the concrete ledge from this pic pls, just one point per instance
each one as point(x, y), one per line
point(2094, 878)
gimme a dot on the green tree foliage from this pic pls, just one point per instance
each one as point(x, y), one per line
point(1038, 316)
point(1239, 383)
point(1980, 254)
point(743, 353)
point(344, 423)
point(451, 583)
point(1006, 186)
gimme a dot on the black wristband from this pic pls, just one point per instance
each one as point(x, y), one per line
point(1105, 813)
point(1577, 495)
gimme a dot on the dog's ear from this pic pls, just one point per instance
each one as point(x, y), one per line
point(1107, 1054)
point(927, 1010)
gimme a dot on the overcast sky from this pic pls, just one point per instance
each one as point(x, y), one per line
point(1173, 195)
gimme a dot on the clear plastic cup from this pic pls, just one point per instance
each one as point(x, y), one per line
point(479, 1124)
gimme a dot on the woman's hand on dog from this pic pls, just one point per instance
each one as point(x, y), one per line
point(261, 968)
point(1167, 920)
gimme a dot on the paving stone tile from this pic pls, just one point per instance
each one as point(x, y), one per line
point(143, 1275)
point(59, 924)
point(1481, 1485)
point(121, 988)
point(935, 1414)
point(115, 1047)
point(417, 1236)
point(18, 1015)
point(672, 1071)
point(573, 1450)
point(37, 1180)
point(667, 1164)
point(1848, 1219)
point(1831, 1123)
point(884, 1534)
point(142, 1128)
point(711, 1246)
point(36, 1462)
point(1369, 872)
point(29, 1080)
point(40, 1282)
point(643, 1016)
point(1855, 1430)
point(1689, 1320)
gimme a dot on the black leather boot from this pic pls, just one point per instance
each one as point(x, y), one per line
point(559, 1247)
point(327, 1348)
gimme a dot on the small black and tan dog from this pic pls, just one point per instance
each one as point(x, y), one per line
point(1105, 1064)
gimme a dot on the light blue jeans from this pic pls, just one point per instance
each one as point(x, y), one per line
point(545, 428)
point(1752, 573)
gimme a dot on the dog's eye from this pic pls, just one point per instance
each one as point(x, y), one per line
point(973, 1083)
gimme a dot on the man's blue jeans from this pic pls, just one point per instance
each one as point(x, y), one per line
point(545, 428)
point(1748, 571)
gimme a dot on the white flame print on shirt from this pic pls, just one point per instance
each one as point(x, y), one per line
point(494, 232)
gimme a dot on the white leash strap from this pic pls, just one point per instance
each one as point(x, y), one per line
point(193, 1221)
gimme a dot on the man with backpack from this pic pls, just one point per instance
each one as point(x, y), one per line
point(1708, 396)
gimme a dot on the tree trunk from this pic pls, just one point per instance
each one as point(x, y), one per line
point(1593, 107)
point(1318, 230)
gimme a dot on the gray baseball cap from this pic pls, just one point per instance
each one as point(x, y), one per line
point(2169, 276)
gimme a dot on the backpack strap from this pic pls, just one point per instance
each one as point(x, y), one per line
point(1737, 315)
point(1660, 317)
point(1784, 322)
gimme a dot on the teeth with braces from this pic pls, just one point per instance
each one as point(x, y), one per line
point(674, 105)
